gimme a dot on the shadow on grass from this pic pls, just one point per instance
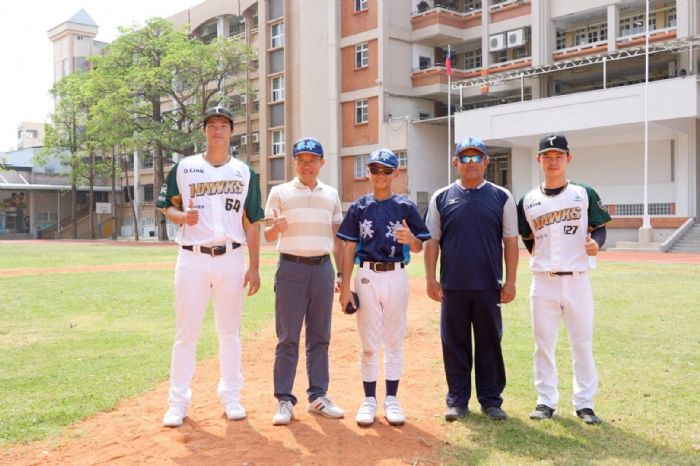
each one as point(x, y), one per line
point(559, 441)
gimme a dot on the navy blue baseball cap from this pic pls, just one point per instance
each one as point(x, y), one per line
point(307, 146)
point(383, 157)
point(470, 143)
point(555, 142)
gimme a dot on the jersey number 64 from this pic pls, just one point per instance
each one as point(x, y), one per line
point(233, 204)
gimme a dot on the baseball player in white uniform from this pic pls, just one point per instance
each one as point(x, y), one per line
point(216, 201)
point(380, 230)
point(562, 224)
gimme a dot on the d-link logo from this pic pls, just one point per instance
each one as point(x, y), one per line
point(192, 170)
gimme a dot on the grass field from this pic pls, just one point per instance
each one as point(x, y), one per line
point(75, 344)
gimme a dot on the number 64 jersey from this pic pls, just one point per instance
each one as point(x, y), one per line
point(226, 197)
point(559, 225)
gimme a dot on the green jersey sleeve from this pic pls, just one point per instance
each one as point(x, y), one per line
point(597, 212)
point(253, 201)
point(170, 193)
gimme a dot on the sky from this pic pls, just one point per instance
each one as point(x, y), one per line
point(26, 54)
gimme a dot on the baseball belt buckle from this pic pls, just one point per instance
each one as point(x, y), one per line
point(217, 250)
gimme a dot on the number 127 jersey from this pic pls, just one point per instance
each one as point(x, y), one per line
point(559, 225)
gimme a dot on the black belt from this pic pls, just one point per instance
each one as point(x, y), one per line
point(313, 260)
point(561, 273)
point(214, 250)
point(383, 266)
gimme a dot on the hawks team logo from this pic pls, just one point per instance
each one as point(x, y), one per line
point(563, 215)
point(216, 187)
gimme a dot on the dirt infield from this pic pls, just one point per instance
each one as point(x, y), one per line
point(132, 434)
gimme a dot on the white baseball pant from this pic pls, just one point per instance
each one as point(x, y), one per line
point(197, 278)
point(381, 319)
point(567, 297)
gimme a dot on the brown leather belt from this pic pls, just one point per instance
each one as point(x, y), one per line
point(383, 266)
point(313, 260)
point(214, 250)
point(561, 273)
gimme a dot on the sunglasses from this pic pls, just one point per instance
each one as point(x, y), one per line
point(382, 170)
point(471, 158)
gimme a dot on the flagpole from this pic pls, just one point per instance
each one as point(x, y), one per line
point(448, 66)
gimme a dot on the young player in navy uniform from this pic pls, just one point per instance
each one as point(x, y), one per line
point(379, 230)
point(562, 225)
point(474, 227)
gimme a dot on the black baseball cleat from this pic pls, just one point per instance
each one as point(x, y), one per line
point(495, 413)
point(542, 412)
point(588, 416)
point(452, 413)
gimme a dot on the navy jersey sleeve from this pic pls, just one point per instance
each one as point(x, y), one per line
point(349, 229)
point(416, 223)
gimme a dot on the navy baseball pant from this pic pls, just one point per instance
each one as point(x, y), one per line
point(463, 311)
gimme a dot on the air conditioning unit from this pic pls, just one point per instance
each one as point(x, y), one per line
point(244, 139)
point(497, 42)
point(244, 99)
point(255, 138)
point(516, 38)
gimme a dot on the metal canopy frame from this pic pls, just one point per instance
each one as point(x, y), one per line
point(677, 45)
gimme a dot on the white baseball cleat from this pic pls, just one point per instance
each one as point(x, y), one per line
point(284, 414)
point(175, 416)
point(367, 412)
point(234, 411)
point(325, 407)
point(393, 412)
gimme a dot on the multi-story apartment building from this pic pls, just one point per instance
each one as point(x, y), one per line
point(524, 68)
point(364, 74)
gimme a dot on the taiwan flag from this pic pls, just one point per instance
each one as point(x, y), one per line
point(448, 63)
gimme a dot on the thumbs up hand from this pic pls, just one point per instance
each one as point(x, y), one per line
point(591, 246)
point(403, 233)
point(191, 214)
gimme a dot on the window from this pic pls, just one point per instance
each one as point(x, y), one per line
point(360, 5)
point(277, 142)
point(44, 217)
point(591, 34)
point(561, 40)
point(472, 5)
point(361, 55)
point(671, 18)
point(472, 59)
point(635, 24)
point(500, 56)
point(402, 156)
point(277, 35)
point(148, 193)
point(278, 88)
point(236, 26)
point(424, 62)
point(277, 169)
point(147, 161)
point(360, 166)
point(361, 111)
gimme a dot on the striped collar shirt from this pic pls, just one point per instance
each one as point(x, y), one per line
point(311, 215)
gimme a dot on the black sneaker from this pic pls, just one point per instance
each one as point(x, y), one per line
point(495, 413)
point(455, 412)
point(542, 412)
point(588, 416)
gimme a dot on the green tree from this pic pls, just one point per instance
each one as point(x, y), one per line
point(66, 136)
point(162, 81)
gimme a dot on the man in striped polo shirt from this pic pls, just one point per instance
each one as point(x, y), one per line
point(303, 217)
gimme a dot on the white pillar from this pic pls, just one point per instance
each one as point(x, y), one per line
point(613, 24)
